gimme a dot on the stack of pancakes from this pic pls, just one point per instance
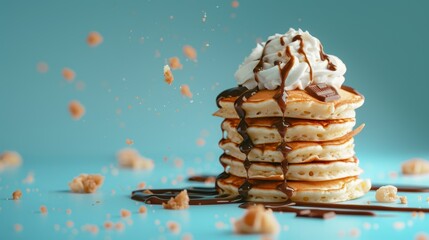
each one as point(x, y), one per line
point(319, 164)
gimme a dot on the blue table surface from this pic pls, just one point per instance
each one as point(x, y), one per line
point(51, 176)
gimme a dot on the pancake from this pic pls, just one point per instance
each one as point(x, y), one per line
point(326, 191)
point(299, 105)
point(302, 152)
point(315, 171)
point(263, 130)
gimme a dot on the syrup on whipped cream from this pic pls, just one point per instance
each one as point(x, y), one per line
point(309, 64)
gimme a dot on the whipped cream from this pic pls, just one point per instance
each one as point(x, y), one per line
point(308, 63)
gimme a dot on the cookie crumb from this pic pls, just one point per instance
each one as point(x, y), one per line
point(403, 199)
point(257, 220)
point(141, 185)
point(125, 213)
point(129, 141)
point(68, 74)
point(399, 225)
point(91, 228)
point(76, 109)
point(42, 67)
point(168, 75)
point(130, 158)
point(386, 194)
point(147, 191)
point(18, 227)
point(415, 166)
point(17, 195)
point(68, 211)
point(10, 159)
point(181, 201)
point(70, 224)
point(108, 225)
point(43, 209)
point(174, 63)
point(174, 227)
point(422, 236)
point(119, 226)
point(142, 209)
point(86, 183)
point(94, 39)
point(190, 52)
point(235, 4)
point(185, 91)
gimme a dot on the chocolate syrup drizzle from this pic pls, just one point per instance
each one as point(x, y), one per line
point(324, 57)
point(301, 51)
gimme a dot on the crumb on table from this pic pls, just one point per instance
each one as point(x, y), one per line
point(181, 201)
point(86, 183)
point(257, 220)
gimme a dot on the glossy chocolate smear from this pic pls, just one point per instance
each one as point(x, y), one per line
point(322, 92)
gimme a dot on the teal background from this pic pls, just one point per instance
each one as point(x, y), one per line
point(382, 43)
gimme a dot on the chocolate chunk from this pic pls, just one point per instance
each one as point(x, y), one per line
point(325, 214)
point(323, 92)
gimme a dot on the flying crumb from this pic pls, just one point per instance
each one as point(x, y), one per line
point(70, 224)
point(42, 67)
point(181, 201)
point(142, 209)
point(129, 141)
point(187, 236)
point(91, 228)
point(399, 225)
point(10, 159)
point(43, 209)
point(355, 232)
point(17, 195)
point(415, 166)
point(190, 52)
point(119, 226)
point(68, 74)
point(94, 39)
point(235, 4)
point(18, 227)
point(108, 225)
point(386, 194)
point(76, 110)
point(174, 63)
point(29, 179)
point(125, 213)
point(68, 211)
point(185, 91)
point(257, 220)
point(403, 199)
point(201, 142)
point(130, 158)
point(168, 75)
point(174, 227)
point(86, 183)
point(422, 236)
point(141, 185)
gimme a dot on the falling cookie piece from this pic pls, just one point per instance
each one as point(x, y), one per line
point(257, 220)
point(415, 166)
point(129, 141)
point(86, 183)
point(235, 4)
point(181, 201)
point(190, 52)
point(168, 75)
point(94, 39)
point(186, 91)
point(76, 110)
point(386, 194)
point(130, 158)
point(10, 159)
point(68, 74)
point(174, 63)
